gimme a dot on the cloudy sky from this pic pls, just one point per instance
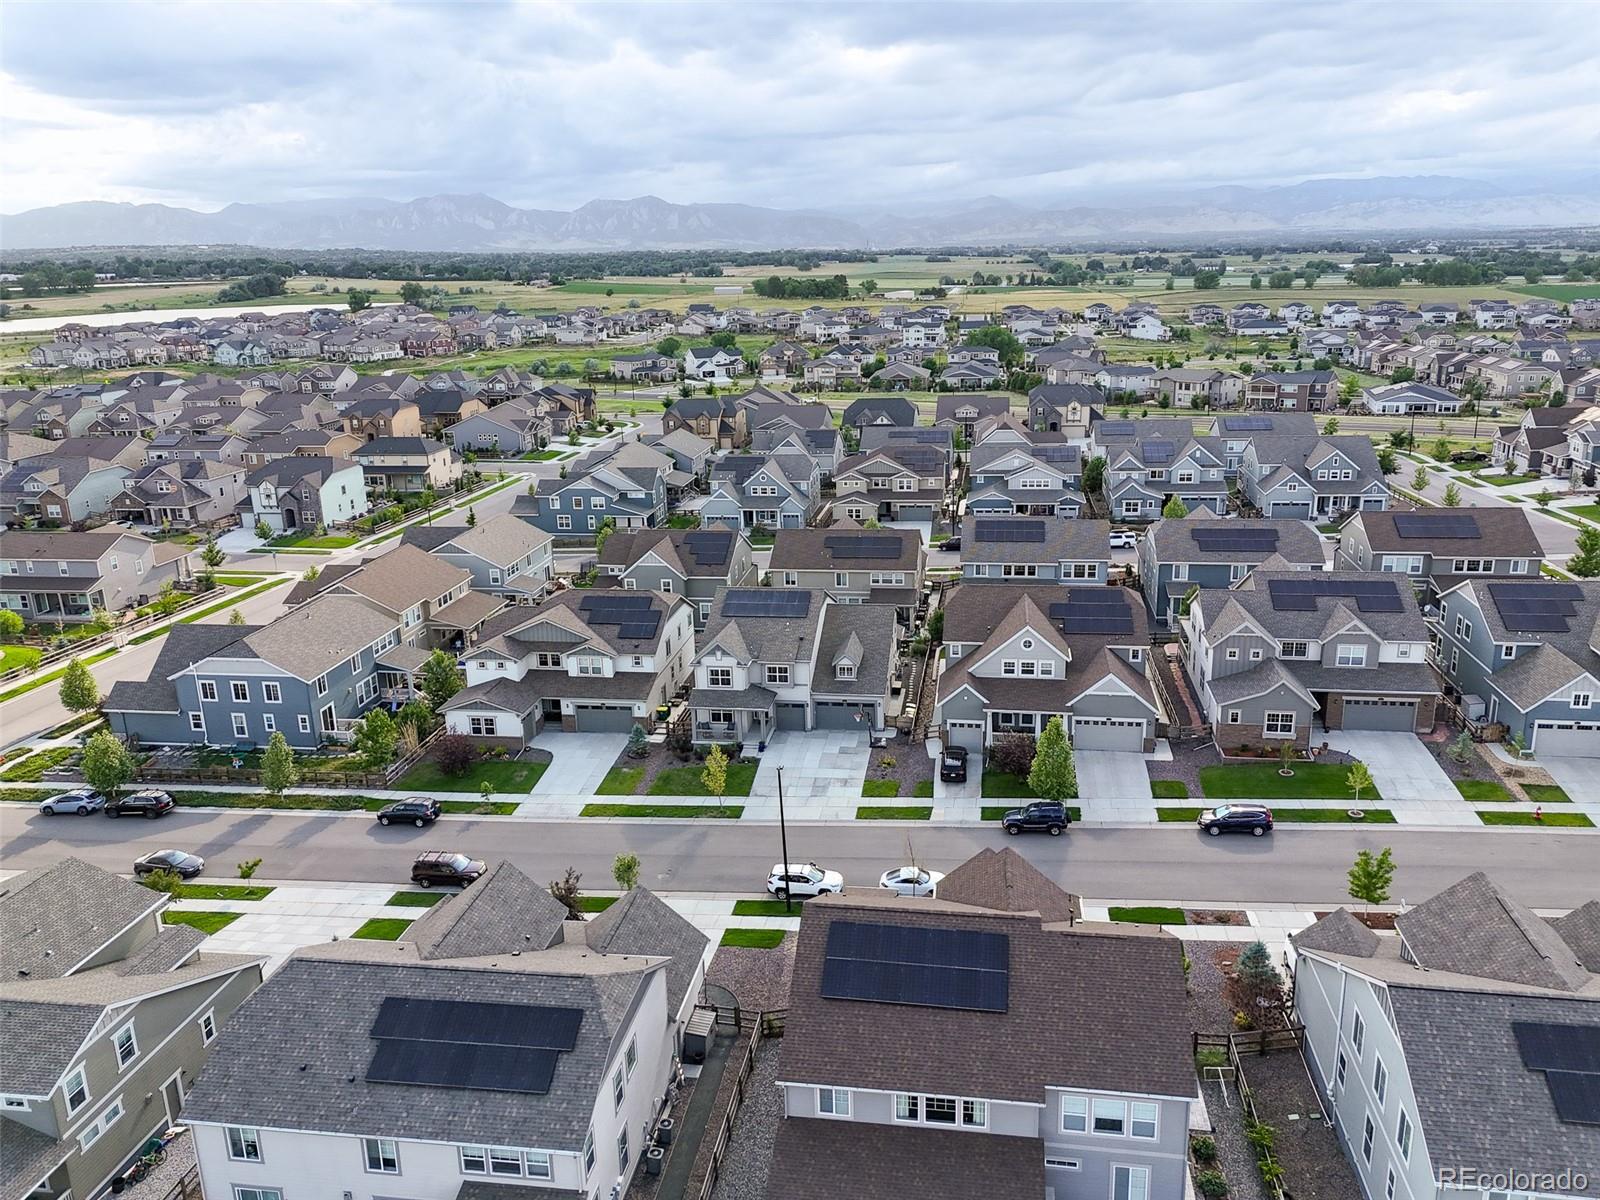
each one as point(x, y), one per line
point(785, 104)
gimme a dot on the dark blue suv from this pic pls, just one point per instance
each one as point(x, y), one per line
point(1255, 819)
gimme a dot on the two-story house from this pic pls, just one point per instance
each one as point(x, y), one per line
point(713, 364)
point(1300, 391)
point(720, 420)
point(854, 566)
point(1142, 476)
point(402, 466)
point(507, 556)
point(382, 416)
point(1539, 443)
point(913, 1059)
point(1177, 556)
point(597, 660)
point(64, 486)
point(752, 491)
point(1015, 472)
point(690, 453)
point(962, 413)
point(1284, 650)
point(1064, 407)
point(628, 484)
point(1199, 387)
point(49, 577)
point(302, 491)
point(775, 659)
point(901, 480)
point(692, 563)
point(1402, 399)
point(1310, 476)
point(109, 1016)
point(1236, 432)
point(1439, 547)
point(180, 493)
point(1028, 549)
point(893, 411)
point(508, 429)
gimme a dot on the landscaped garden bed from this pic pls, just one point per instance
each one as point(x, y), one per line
point(665, 770)
point(37, 765)
point(1372, 920)
point(901, 769)
point(1216, 916)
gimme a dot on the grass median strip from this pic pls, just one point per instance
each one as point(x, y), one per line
point(765, 908)
point(330, 802)
point(1293, 816)
point(894, 812)
point(673, 812)
point(1547, 793)
point(1169, 789)
point(52, 676)
point(1562, 820)
point(223, 891)
point(753, 939)
point(994, 812)
point(1149, 915)
point(191, 618)
point(880, 789)
point(414, 899)
point(205, 922)
point(382, 929)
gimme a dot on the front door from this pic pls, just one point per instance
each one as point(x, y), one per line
point(172, 1096)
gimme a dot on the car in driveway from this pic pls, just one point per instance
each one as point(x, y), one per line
point(414, 810)
point(82, 801)
point(446, 867)
point(1124, 539)
point(802, 879)
point(147, 803)
point(1254, 819)
point(179, 862)
point(911, 881)
point(1043, 816)
point(953, 764)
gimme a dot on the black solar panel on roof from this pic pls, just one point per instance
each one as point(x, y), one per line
point(1114, 429)
point(614, 601)
point(1546, 1046)
point(1235, 538)
point(1536, 607)
point(765, 602)
point(1157, 451)
point(1576, 1095)
point(1301, 595)
point(1246, 424)
point(709, 548)
point(857, 546)
point(932, 968)
point(536, 1025)
point(1419, 525)
point(478, 1067)
point(1010, 531)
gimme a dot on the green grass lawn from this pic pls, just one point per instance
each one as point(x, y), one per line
point(501, 775)
point(765, 908)
point(923, 789)
point(1261, 781)
point(326, 802)
point(414, 899)
point(620, 781)
point(1547, 793)
point(1591, 511)
point(1001, 785)
point(223, 891)
point(32, 768)
point(1562, 819)
point(676, 812)
point(1178, 814)
point(191, 618)
point(881, 789)
point(87, 660)
point(80, 722)
point(1149, 915)
point(887, 812)
point(753, 939)
point(205, 922)
point(545, 455)
point(1482, 790)
point(14, 658)
point(594, 904)
point(328, 541)
point(1169, 789)
point(993, 812)
point(382, 929)
point(1289, 816)
point(685, 781)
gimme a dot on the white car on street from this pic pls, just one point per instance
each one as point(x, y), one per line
point(803, 879)
point(911, 881)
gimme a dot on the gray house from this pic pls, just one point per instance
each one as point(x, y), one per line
point(1314, 476)
point(753, 491)
point(1023, 549)
point(1142, 476)
point(507, 556)
point(867, 566)
point(1177, 556)
point(628, 484)
point(1237, 431)
point(692, 563)
point(946, 1089)
point(897, 481)
point(299, 492)
point(690, 453)
point(888, 411)
point(62, 487)
point(1063, 407)
point(180, 492)
point(49, 577)
point(1439, 548)
point(1013, 472)
point(109, 1017)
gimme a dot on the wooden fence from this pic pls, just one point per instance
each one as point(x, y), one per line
point(1256, 1042)
point(761, 1026)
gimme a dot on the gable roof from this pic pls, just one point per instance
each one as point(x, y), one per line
point(640, 922)
point(505, 912)
point(52, 918)
point(1005, 881)
point(1475, 928)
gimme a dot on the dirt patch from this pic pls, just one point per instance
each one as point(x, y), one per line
point(758, 979)
point(1210, 964)
point(1217, 916)
point(1314, 1164)
point(1372, 920)
point(906, 762)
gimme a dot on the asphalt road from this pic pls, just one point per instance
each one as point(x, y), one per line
point(1291, 866)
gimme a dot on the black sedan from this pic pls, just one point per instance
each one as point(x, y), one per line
point(180, 862)
point(1254, 819)
point(414, 810)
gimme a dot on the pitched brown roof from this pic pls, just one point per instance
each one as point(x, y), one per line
point(1005, 881)
point(1338, 933)
point(858, 1160)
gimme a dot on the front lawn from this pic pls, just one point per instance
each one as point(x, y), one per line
point(414, 899)
point(753, 939)
point(206, 922)
point(594, 904)
point(1002, 785)
point(544, 455)
point(500, 774)
point(1485, 791)
point(1179, 814)
point(994, 812)
point(881, 789)
point(620, 781)
point(13, 658)
point(1590, 511)
point(328, 541)
point(1564, 819)
point(923, 789)
point(675, 812)
point(886, 812)
point(1169, 789)
point(765, 908)
point(327, 802)
point(1261, 781)
point(685, 781)
point(1547, 793)
point(1149, 915)
point(382, 929)
point(223, 891)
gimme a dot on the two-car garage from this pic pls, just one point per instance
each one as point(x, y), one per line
point(847, 714)
point(1566, 739)
point(1109, 733)
point(603, 718)
point(1365, 712)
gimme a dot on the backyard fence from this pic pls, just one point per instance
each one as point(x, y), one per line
point(761, 1026)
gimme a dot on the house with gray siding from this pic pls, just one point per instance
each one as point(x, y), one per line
point(406, 465)
point(874, 436)
point(1066, 408)
point(109, 1018)
point(1312, 476)
point(1238, 430)
point(949, 1092)
point(825, 446)
point(507, 556)
point(298, 492)
point(1143, 475)
point(627, 483)
point(692, 563)
point(1014, 472)
point(755, 491)
point(854, 566)
point(897, 481)
point(1438, 548)
point(180, 492)
point(1027, 549)
point(1177, 556)
point(62, 487)
point(49, 577)
point(690, 453)
point(893, 412)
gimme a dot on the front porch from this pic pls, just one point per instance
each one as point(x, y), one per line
point(749, 716)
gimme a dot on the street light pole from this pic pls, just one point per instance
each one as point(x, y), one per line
point(783, 839)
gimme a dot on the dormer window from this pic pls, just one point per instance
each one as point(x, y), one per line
point(844, 669)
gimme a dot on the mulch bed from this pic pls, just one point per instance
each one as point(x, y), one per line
point(1187, 759)
point(1217, 916)
point(911, 765)
point(758, 979)
point(657, 759)
point(1477, 765)
point(1314, 1164)
point(1210, 965)
point(1372, 920)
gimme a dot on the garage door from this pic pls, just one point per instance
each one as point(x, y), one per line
point(915, 512)
point(1108, 733)
point(1567, 739)
point(965, 733)
point(1300, 512)
point(604, 718)
point(1380, 714)
point(791, 716)
point(840, 715)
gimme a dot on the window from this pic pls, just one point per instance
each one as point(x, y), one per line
point(244, 1145)
point(537, 1163)
point(241, 727)
point(1463, 628)
point(975, 1113)
point(1062, 1164)
point(208, 689)
point(475, 1161)
point(1358, 1034)
point(588, 1151)
point(1508, 651)
point(383, 1155)
point(1019, 570)
point(1338, 1074)
point(1278, 724)
point(1144, 1119)
point(1402, 1136)
point(563, 521)
point(1256, 653)
point(127, 1046)
point(13, 1102)
point(1084, 570)
point(272, 693)
point(208, 1027)
point(631, 1057)
point(777, 674)
point(1293, 649)
point(547, 660)
point(1366, 1138)
point(907, 1108)
point(304, 723)
point(719, 677)
point(1350, 656)
point(844, 670)
point(1388, 1185)
point(939, 1110)
point(1234, 716)
point(257, 1193)
point(269, 723)
point(482, 726)
point(322, 685)
point(577, 502)
point(240, 690)
point(1130, 1183)
point(617, 1089)
point(197, 722)
point(833, 1102)
point(1582, 699)
point(1380, 1080)
point(1110, 1116)
point(93, 1132)
point(622, 1152)
point(1232, 654)
point(505, 1162)
point(666, 586)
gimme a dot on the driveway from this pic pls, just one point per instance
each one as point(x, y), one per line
point(1115, 776)
point(823, 768)
point(1578, 777)
point(1400, 764)
point(579, 761)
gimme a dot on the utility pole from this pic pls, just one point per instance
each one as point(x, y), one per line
point(783, 839)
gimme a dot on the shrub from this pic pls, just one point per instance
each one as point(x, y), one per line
point(567, 891)
point(248, 867)
point(1204, 1149)
point(1013, 754)
point(1260, 1135)
point(455, 753)
point(1242, 1021)
point(1212, 1184)
point(163, 880)
point(1210, 1056)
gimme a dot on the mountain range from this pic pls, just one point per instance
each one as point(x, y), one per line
point(1433, 204)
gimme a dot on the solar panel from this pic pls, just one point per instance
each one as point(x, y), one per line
point(1157, 451)
point(863, 547)
point(1451, 525)
point(1576, 1096)
point(765, 602)
point(709, 548)
point(531, 1025)
point(615, 600)
point(1247, 424)
point(1301, 595)
point(1114, 429)
point(456, 1065)
point(1230, 538)
point(1545, 1046)
point(1536, 607)
point(1010, 531)
point(915, 965)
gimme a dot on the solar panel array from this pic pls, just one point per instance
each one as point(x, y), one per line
point(858, 546)
point(1094, 610)
point(1055, 454)
point(1157, 451)
point(765, 602)
point(634, 616)
point(929, 968)
point(1301, 595)
point(1107, 429)
point(709, 547)
point(1537, 607)
point(1010, 531)
point(1247, 424)
point(471, 1044)
point(1569, 1057)
point(1445, 525)
point(1243, 538)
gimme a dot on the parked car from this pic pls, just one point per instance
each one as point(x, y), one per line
point(147, 803)
point(1124, 539)
point(1047, 815)
point(803, 879)
point(445, 866)
point(911, 881)
point(180, 862)
point(1470, 456)
point(82, 801)
point(415, 810)
point(1255, 819)
point(953, 764)
point(950, 543)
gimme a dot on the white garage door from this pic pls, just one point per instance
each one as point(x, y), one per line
point(1380, 714)
point(1108, 733)
point(1567, 739)
point(965, 733)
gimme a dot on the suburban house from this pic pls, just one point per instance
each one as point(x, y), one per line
point(690, 453)
point(1439, 547)
point(501, 1047)
point(301, 492)
point(382, 416)
point(1539, 443)
point(853, 566)
point(1141, 476)
point(1109, 435)
point(1312, 476)
point(1522, 653)
point(507, 556)
point(649, 367)
point(1399, 399)
point(971, 376)
point(49, 577)
point(1282, 651)
point(752, 491)
point(1238, 430)
point(1017, 655)
point(898, 481)
point(1462, 1041)
point(824, 445)
point(720, 420)
point(1051, 549)
point(403, 466)
point(879, 410)
point(1505, 377)
point(692, 563)
point(791, 659)
point(874, 436)
point(713, 364)
point(1300, 391)
point(905, 1075)
point(1192, 387)
point(180, 493)
point(592, 660)
point(62, 487)
point(110, 1016)
point(1011, 472)
point(1063, 408)
point(963, 413)
point(1177, 556)
point(627, 484)
point(511, 428)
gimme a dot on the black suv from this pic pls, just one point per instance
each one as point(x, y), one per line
point(1254, 819)
point(416, 810)
point(1048, 815)
point(953, 764)
point(445, 866)
point(148, 803)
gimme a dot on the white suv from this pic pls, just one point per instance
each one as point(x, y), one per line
point(803, 879)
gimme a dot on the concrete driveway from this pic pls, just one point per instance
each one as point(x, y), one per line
point(1401, 765)
point(578, 761)
point(821, 769)
point(1112, 778)
point(1578, 777)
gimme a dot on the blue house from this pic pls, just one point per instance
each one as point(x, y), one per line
point(628, 484)
point(1176, 556)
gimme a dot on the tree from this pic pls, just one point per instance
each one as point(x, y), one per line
point(440, 679)
point(376, 738)
point(607, 528)
point(1256, 988)
point(638, 742)
point(1371, 876)
point(168, 599)
point(310, 573)
point(472, 518)
point(1388, 462)
point(11, 625)
point(278, 770)
point(567, 891)
point(358, 299)
point(1452, 496)
point(1544, 497)
point(669, 347)
point(1207, 281)
point(868, 286)
point(1280, 280)
point(997, 337)
point(79, 692)
point(1358, 779)
point(1174, 508)
point(235, 617)
point(1012, 754)
point(211, 555)
point(714, 775)
point(1585, 562)
point(263, 530)
point(1094, 474)
point(1330, 426)
point(625, 870)
point(1419, 479)
point(1053, 775)
point(107, 764)
point(454, 753)
point(413, 293)
point(724, 341)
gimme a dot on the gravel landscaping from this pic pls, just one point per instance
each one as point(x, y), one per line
point(1187, 759)
point(758, 979)
point(1209, 1011)
point(908, 766)
point(1314, 1164)
point(1236, 1157)
point(755, 1130)
point(656, 760)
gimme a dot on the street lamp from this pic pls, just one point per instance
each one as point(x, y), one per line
point(783, 839)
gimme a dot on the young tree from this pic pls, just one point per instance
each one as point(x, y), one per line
point(11, 625)
point(211, 555)
point(1452, 496)
point(1371, 876)
point(714, 775)
point(1358, 779)
point(1094, 475)
point(1349, 390)
point(235, 617)
point(1388, 463)
point(376, 738)
point(168, 599)
point(472, 518)
point(638, 742)
point(1053, 775)
point(567, 891)
point(1256, 987)
point(1544, 497)
point(79, 692)
point(1331, 426)
point(101, 620)
point(107, 764)
point(263, 530)
point(625, 870)
point(1174, 508)
point(455, 753)
point(1585, 562)
point(311, 573)
point(278, 770)
point(1419, 479)
point(440, 679)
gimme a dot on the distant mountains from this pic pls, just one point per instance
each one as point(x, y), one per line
point(1437, 204)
